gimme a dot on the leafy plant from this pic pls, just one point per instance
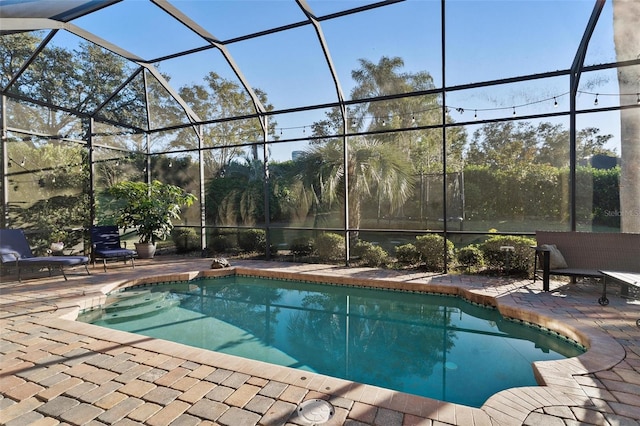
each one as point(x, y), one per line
point(330, 246)
point(370, 254)
point(471, 257)
point(251, 240)
point(58, 235)
point(185, 239)
point(220, 243)
point(519, 260)
point(302, 246)
point(432, 251)
point(149, 208)
point(408, 254)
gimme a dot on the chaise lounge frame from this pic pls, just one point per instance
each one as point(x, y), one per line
point(16, 252)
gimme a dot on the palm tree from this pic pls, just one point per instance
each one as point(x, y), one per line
point(375, 169)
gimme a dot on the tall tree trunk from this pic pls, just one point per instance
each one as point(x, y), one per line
point(626, 34)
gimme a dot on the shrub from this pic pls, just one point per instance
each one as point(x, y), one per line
point(185, 239)
point(407, 254)
point(370, 254)
point(220, 244)
point(520, 260)
point(431, 249)
point(330, 246)
point(301, 246)
point(471, 257)
point(252, 240)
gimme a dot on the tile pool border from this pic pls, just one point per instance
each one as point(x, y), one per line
point(556, 378)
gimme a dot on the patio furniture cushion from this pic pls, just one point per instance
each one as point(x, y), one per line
point(15, 251)
point(556, 260)
point(105, 243)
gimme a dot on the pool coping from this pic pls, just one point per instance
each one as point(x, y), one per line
point(511, 406)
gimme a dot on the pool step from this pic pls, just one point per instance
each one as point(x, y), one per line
point(134, 300)
point(140, 311)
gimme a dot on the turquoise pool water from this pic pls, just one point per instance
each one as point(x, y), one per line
point(440, 347)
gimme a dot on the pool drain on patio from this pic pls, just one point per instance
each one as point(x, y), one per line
point(315, 411)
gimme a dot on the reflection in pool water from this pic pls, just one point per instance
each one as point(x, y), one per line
point(441, 347)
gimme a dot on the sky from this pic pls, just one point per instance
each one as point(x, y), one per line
point(486, 40)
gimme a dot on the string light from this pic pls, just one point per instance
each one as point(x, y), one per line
point(23, 162)
point(513, 108)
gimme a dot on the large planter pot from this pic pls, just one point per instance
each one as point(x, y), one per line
point(145, 250)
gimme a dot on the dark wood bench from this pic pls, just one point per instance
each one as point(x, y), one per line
point(587, 254)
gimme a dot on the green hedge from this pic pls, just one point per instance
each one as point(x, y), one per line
point(541, 191)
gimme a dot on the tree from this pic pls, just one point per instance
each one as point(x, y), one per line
point(375, 168)
point(510, 145)
point(80, 79)
point(626, 15)
point(383, 165)
point(503, 145)
point(219, 99)
point(236, 196)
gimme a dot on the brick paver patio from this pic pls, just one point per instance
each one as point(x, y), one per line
point(54, 370)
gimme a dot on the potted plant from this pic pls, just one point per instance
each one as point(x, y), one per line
point(57, 238)
point(150, 209)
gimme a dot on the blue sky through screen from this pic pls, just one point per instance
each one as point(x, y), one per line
point(486, 40)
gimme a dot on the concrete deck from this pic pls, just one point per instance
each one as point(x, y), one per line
point(54, 370)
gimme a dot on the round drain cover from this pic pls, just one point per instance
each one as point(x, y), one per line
point(315, 411)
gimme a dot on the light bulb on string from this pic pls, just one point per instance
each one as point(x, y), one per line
point(23, 162)
point(514, 111)
point(595, 102)
point(555, 102)
point(170, 164)
point(475, 114)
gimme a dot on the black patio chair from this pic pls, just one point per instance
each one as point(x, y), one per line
point(16, 252)
point(105, 244)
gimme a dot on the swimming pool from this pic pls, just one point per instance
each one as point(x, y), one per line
point(440, 347)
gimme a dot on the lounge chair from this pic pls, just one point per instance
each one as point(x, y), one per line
point(16, 252)
point(105, 244)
